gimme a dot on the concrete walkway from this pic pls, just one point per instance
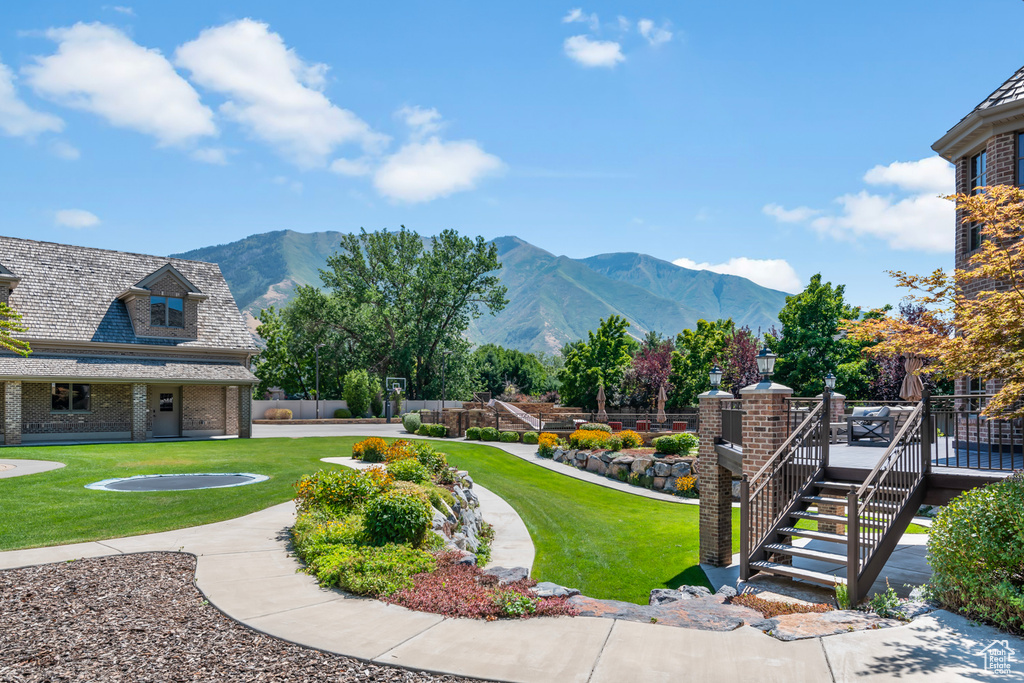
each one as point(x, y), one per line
point(243, 568)
point(20, 468)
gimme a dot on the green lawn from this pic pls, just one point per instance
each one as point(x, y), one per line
point(607, 543)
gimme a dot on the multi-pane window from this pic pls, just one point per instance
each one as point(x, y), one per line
point(979, 178)
point(976, 387)
point(166, 311)
point(70, 398)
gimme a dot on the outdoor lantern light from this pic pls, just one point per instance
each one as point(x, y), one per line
point(830, 381)
point(715, 376)
point(766, 362)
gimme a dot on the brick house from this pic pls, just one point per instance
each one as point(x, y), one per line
point(124, 347)
point(987, 148)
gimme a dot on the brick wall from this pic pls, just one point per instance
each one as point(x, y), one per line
point(12, 413)
point(3, 391)
point(715, 487)
point(231, 410)
point(5, 294)
point(110, 410)
point(203, 407)
point(764, 428)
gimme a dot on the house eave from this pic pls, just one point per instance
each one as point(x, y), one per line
point(977, 127)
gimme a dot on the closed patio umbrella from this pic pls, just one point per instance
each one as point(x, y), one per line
point(602, 416)
point(661, 403)
point(912, 387)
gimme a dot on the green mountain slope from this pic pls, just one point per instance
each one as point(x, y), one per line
point(552, 299)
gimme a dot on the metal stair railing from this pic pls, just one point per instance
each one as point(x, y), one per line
point(767, 499)
point(891, 495)
point(521, 415)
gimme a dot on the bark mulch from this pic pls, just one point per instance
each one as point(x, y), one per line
point(140, 618)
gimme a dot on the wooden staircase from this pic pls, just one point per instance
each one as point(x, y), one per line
point(868, 516)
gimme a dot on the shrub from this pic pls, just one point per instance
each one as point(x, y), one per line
point(433, 460)
point(630, 439)
point(277, 414)
point(489, 434)
point(316, 533)
point(676, 444)
point(340, 491)
point(400, 450)
point(689, 442)
point(438, 431)
point(546, 444)
point(396, 518)
point(589, 439)
point(423, 430)
point(473, 434)
point(530, 438)
point(357, 392)
point(409, 469)
point(411, 422)
point(366, 570)
point(614, 443)
point(509, 437)
point(376, 399)
point(370, 450)
point(976, 552)
point(342, 414)
point(595, 426)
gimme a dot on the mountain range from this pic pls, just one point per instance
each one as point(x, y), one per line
point(552, 299)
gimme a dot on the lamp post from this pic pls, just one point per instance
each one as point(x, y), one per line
point(830, 381)
point(766, 363)
point(444, 368)
point(715, 376)
point(316, 350)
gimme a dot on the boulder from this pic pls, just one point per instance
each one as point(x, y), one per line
point(547, 589)
point(626, 460)
point(664, 596)
point(659, 483)
point(508, 574)
point(727, 591)
point(641, 463)
point(439, 520)
point(558, 455)
point(607, 457)
point(467, 482)
point(670, 483)
point(466, 558)
point(662, 469)
point(460, 540)
point(681, 469)
point(596, 464)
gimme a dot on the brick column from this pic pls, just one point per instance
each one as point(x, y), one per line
point(715, 485)
point(231, 410)
point(140, 411)
point(245, 411)
point(12, 413)
point(764, 430)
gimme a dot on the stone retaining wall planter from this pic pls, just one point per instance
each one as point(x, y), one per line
point(329, 421)
point(647, 470)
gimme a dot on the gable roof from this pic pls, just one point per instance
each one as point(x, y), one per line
point(167, 268)
point(69, 293)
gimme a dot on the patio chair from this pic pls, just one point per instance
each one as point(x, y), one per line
point(870, 424)
point(616, 426)
point(643, 425)
point(678, 426)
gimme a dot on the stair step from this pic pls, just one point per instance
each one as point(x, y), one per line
point(795, 573)
point(838, 519)
point(809, 533)
point(853, 486)
point(828, 500)
point(807, 553)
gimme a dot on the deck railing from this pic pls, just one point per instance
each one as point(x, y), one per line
point(961, 436)
point(732, 422)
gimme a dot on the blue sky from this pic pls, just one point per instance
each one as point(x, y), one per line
point(772, 140)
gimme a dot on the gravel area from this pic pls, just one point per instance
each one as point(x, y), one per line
point(140, 618)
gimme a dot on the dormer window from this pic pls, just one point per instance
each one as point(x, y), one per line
point(166, 311)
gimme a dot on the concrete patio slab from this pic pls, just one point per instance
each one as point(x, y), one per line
point(936, 647)
point(555, 650)
point(14, 467)
point(259, 597)
point(354, 626)
point(671, 654)
point(245, 566)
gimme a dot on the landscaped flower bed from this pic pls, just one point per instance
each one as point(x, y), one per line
point(410, 533)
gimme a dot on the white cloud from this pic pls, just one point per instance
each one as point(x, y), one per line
point(422, 171)
point(272, 92)
point(293, 185)
point(624, 23)
point(63, 150)
point(772, 273)
point(211, 155)
point(99, 69)
point(121, 9)
point(75, 218)
point(352, 167)
point(589, 52)
point(655, 35)
point(783, 215)
point(422, 122)
point(932, 175)
point(577, 16)
point(17, 118)
point(916, 218)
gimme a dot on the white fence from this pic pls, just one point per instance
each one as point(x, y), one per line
point(305, 409)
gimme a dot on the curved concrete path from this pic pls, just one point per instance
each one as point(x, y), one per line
point(20, 468)
point(244, 569)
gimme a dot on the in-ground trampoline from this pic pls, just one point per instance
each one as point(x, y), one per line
point(177, 482)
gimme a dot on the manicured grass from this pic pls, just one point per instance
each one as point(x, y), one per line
point(607, 543)
point(812, 525)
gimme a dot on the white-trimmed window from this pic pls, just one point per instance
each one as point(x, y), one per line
point(66, 397)
point(166, 311)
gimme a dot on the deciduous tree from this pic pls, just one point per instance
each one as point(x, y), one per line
point(10, 324)
point(696, 351)
point(600, 360)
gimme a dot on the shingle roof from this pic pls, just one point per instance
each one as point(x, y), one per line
point(50, 367)
point(1010, 91)
point(70, 293)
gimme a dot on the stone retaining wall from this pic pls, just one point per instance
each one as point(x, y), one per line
point(649, 471)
